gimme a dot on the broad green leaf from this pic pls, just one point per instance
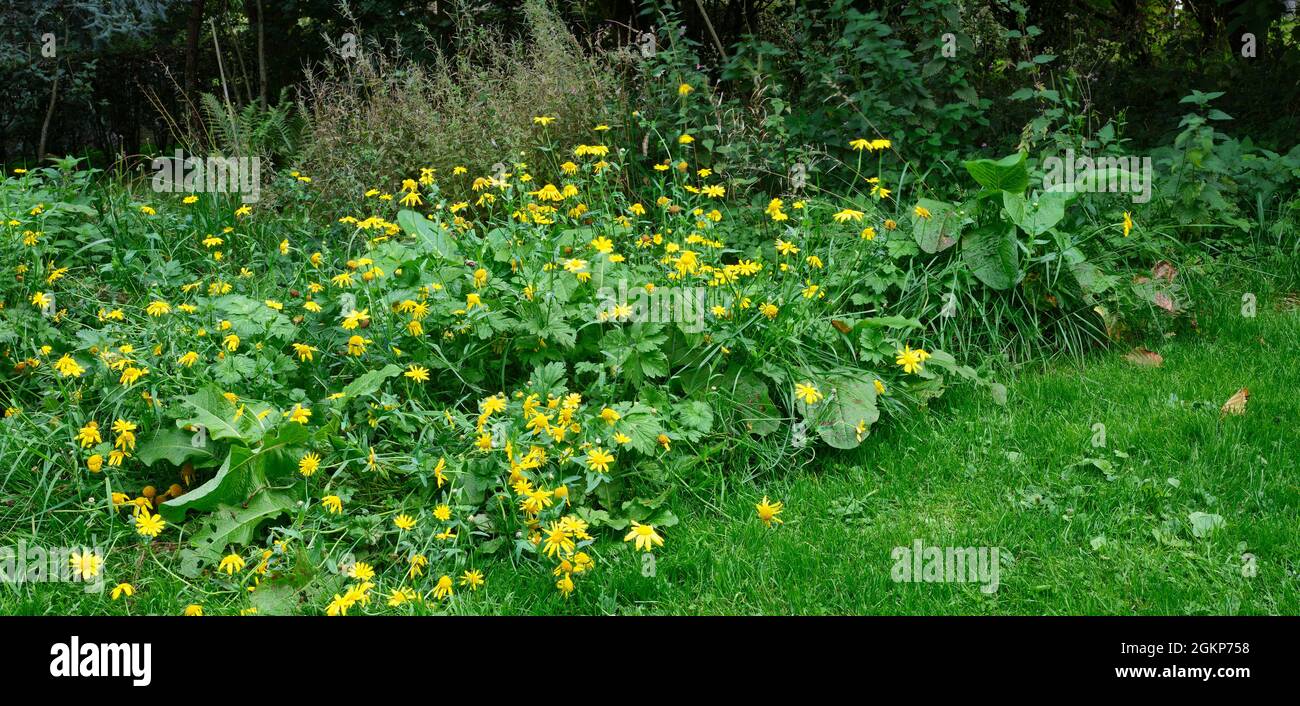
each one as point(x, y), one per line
point(1036, 216)
point(436, 238)
point(992, 255)
point(215, 413)
point(1006, 174)
point(849, 413)
point(232, 525)
point(369, 383)
point(177, 447)
point(1203, 523)
point(754, 408)
point(941, 230)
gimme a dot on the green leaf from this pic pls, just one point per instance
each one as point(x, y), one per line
point(177, 447)
point(850, 402)
point(369, 383)
point(1203, 523)
point(215, 413)
point(941, 230)
point(1006, 174)
point(753, 405)
point(232, 525)
point(429, 234)
point(1038, 216)
point(992, 255)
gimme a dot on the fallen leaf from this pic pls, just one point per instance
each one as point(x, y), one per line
point(841, 326)
point(1165, 271)
point(1164, 301)
point(1145, 358)
point(1237, 403)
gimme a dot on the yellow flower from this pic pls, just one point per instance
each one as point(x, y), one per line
point(361, 570)
point(89, 434)
point(472, 578)
point(443, 589)
point(565, 585)
point(231, 563)
point(599, 459)
point(1128, 223)
point(646, 537)
point(157, 308)
point(303, 351)
point(299, 414)
point(911, 360)
point(231, 342)
point(332, 503)
point(847, 215)
point(417, 373)
point(95, 463)
point(808, 393)
point(684, 89)
point(148, 525)
point(357, 345)
point(188, 359)
point(685, 139)
point(194, 609)
point(880, 386)
point(404, 522)
point(442, 512)
point(767, 512)
point(42, 300)
point(769, 310)
point(308, 464)
point(122, 589)
point(921, 211)
point(85, 565)
point(67, 366)
point(860, 144)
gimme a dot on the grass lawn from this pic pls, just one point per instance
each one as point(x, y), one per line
point(971, 472)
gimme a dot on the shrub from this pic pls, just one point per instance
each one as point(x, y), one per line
point(383, 114)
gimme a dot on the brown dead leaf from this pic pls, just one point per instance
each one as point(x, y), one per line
point(1236, 404)
point(1165, 271)
point(1145, 358)
point(841, 326)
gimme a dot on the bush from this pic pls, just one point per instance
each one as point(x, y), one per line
point(383, 114)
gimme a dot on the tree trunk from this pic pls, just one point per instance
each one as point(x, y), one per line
point(192, 30)
point(49, 115)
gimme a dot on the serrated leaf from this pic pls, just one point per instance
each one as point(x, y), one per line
point(176, 447)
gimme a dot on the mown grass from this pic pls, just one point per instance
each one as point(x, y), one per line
point(970, 472)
